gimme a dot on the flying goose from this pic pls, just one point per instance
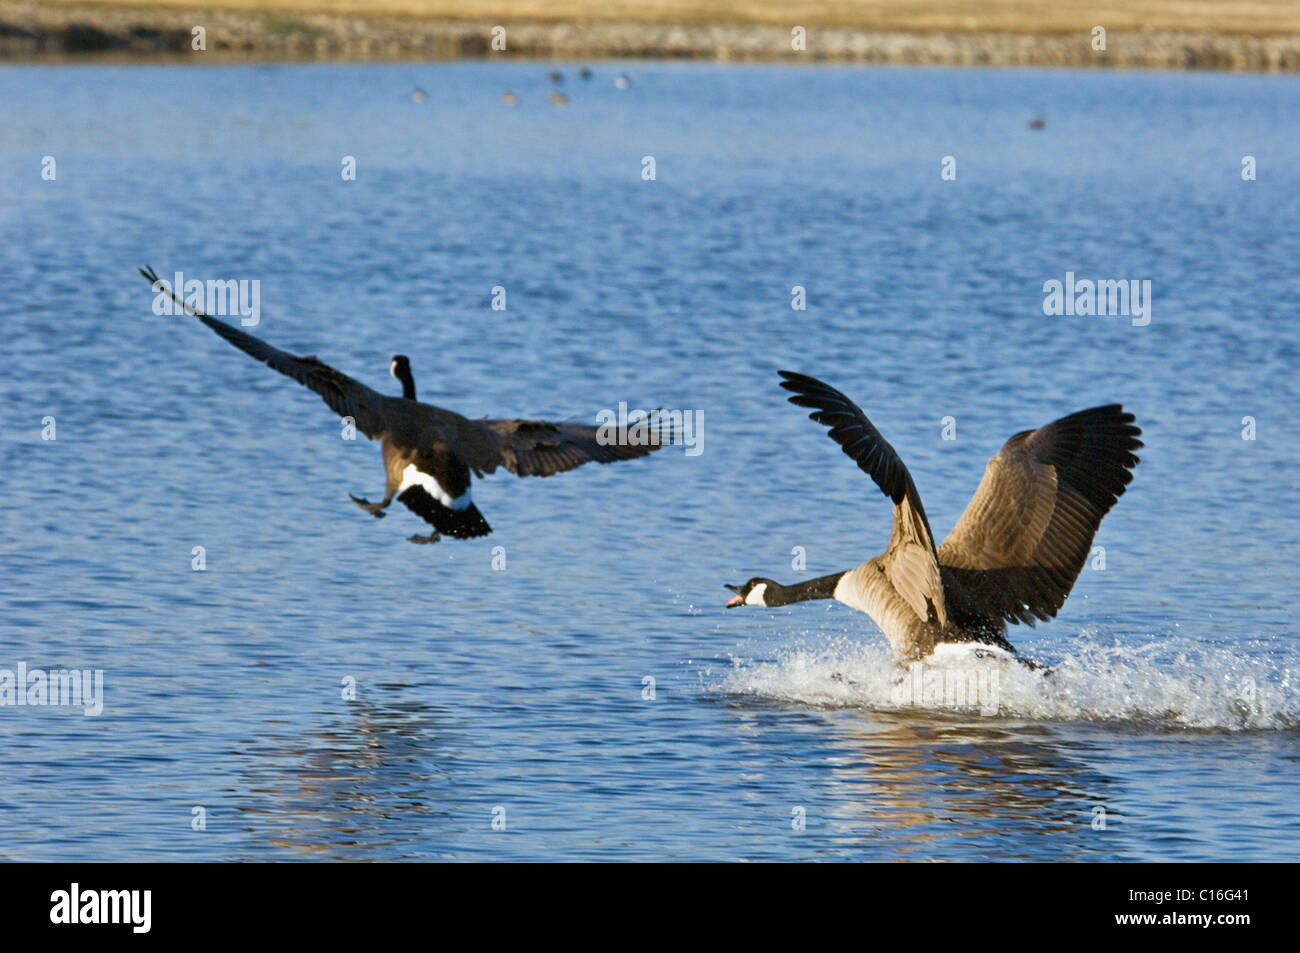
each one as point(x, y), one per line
point(429, 453)
point(1012, 557)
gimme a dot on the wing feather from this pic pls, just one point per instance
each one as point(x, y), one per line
point(345, 396)
point(911, 563)
point(1023, 539)
point(539, 447)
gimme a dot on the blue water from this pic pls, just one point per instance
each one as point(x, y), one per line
point(1175, 705)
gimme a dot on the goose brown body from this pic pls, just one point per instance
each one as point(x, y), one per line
point(1015, 552)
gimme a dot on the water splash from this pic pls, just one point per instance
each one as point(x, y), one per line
point(1174, 682)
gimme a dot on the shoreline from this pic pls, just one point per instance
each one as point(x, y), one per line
point(34, 32)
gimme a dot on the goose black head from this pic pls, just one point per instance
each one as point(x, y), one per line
point(751, 593)
point(401, 369)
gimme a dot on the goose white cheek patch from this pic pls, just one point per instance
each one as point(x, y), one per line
point(755, 597)
point(413, 477)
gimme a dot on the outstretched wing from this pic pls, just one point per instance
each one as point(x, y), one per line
point(345, 396)
point(910, 562)
point(538, 447)
point(1025, 535)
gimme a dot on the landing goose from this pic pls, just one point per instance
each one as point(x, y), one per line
point(1012, 557)
point(429, 453)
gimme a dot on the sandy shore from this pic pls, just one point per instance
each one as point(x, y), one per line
point(46, 31)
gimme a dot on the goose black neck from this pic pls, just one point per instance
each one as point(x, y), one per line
point(823, 587)
point(408, 382)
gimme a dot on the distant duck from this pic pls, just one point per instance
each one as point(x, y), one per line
point(509, 98)
point(430, 453)
point(559, 99)
point(622, 82)
point(585, 73)
point(418, 95)
point(1037, 123)
point(1012, 557)
point(556, 76)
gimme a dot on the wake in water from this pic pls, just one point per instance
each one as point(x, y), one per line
point(1176, 682)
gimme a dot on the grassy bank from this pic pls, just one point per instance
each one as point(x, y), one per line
point(1261, 35)
point(1226, 17)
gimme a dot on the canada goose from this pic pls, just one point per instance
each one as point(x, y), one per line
point(1012, 557)
point(429, 453)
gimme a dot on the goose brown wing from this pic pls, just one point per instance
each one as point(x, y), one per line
point(1025, 535)
point(910, 562)
point(535, 447)
point(345, 396)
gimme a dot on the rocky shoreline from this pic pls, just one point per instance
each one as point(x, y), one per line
point(30, 31)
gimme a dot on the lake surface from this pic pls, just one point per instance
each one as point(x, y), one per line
point(518, 694)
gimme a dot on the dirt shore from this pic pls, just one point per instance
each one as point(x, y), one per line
point(58, 31)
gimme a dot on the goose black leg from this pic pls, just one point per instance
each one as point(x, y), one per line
point(425, 539)
point(374, 509)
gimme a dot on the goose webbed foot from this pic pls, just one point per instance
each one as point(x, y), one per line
point(374, 509)
point(1033, 666)
point(425, 539)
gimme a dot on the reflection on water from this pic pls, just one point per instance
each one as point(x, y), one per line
point(360, 788)
point(925, 779)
